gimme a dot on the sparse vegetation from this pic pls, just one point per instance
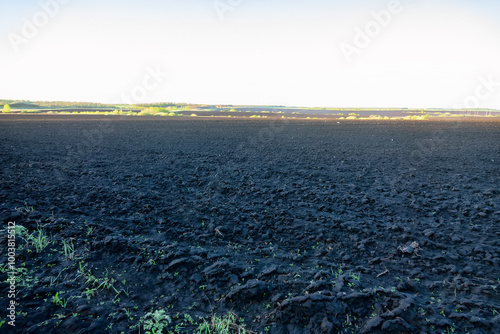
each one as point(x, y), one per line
point(155, 322)
point(226, 324)
point(69, 249)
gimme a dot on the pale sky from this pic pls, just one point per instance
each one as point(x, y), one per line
point(417, 53)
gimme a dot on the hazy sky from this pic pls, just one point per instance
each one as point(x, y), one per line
point(296, 52)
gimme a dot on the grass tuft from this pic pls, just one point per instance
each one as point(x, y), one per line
point(226, 324)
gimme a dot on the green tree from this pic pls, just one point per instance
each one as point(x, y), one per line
point(6, 108)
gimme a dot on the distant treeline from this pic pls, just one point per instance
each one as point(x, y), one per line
point(159, 105)
point(63, 104)
point(4, 102)
point(25, 104)
point(173, 105)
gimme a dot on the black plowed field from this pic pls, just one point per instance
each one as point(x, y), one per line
point(136, 224)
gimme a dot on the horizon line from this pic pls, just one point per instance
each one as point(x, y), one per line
point(225, 105)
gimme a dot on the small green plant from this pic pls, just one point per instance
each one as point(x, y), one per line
point(21, 231)
point(54, 280)
point(155, 322)
point(225, 324)
point(40, 240)
point(69, 249)
point(26, 209)
point(59, 301)
point(355, 276)
point(90, 230)
point(128, 314)
point(338, 273)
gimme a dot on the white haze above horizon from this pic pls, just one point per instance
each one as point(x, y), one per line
point(425, 54)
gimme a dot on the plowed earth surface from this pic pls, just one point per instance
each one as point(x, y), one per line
point(295, 226)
